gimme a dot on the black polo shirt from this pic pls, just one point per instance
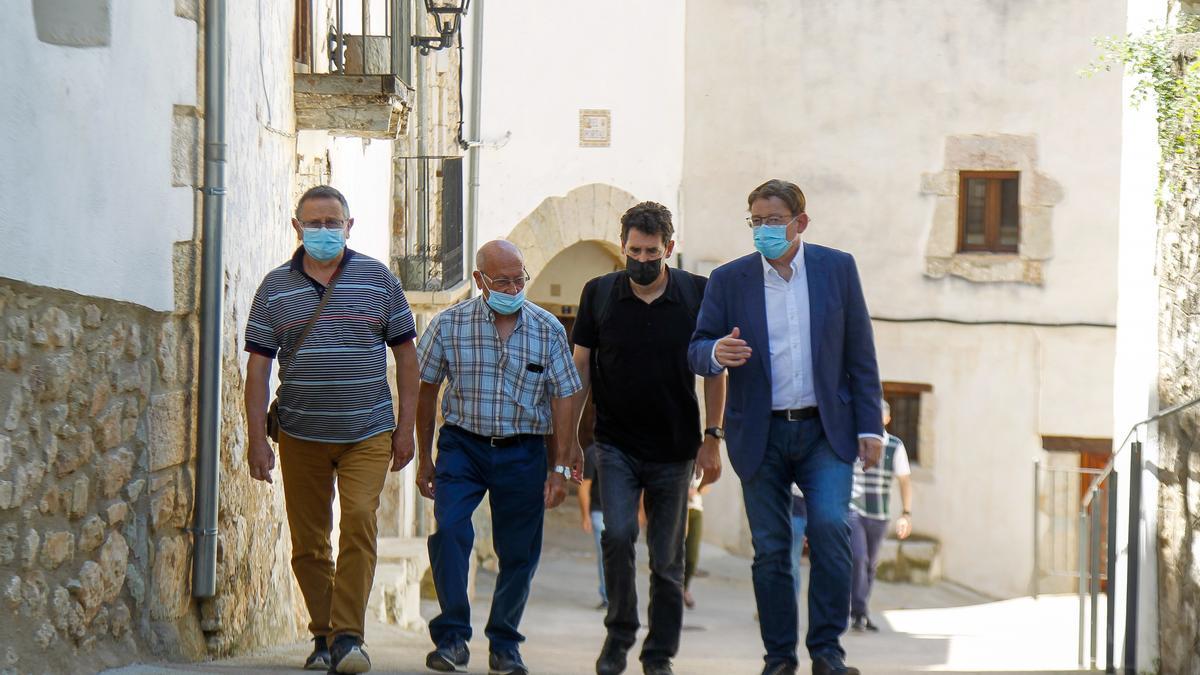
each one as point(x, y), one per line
point(645, 393)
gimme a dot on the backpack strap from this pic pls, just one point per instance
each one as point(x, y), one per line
point(686, 283)
point(603, 298)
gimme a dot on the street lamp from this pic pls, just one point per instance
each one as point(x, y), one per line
point(448, 16)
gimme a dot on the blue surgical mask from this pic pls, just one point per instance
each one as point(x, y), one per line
point(505, 303)
point(325, 243)
point(771, 240)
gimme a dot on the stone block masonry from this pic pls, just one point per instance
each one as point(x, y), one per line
point(97, 410)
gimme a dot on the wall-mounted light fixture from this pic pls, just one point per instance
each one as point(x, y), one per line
point(448, 16)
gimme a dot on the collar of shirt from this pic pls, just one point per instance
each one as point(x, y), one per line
point(797, 265)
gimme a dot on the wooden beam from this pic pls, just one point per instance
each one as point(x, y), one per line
point(907, 388)
point(1091, 446)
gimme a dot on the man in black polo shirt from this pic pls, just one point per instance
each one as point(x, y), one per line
point(631, 339)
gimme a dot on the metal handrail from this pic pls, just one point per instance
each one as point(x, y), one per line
point(1089, 538)
point(1108, 468)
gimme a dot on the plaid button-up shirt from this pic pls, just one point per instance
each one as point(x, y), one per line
point(498, 388)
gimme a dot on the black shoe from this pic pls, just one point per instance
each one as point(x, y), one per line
point(783, 668)
point(347, 655)
point(507, 663)
point(859, 624)
point(830, 664)
point(868, 625)
point(450, 658)
point(658, 668)
point(612, 659)
point(319, 658)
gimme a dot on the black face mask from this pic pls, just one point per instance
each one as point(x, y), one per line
point(643, 273)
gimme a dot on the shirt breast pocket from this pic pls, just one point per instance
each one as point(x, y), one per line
point(531, 384)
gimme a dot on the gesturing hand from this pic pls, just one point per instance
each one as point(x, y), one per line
point(732, 351)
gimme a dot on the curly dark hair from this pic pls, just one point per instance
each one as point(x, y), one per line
point(789, 193)
point(650, 218)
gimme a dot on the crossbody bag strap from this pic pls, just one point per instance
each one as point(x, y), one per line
point(317, 314)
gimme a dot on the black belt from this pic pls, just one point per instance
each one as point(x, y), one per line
point(796, 414)
point(495, 441)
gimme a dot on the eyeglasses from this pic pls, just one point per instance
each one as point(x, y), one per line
point(504, 284)
point(772, 221)
point(314, 225)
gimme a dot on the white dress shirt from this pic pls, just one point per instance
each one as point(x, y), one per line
point(789, 336)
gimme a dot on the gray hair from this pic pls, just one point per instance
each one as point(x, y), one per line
point(887, 409)
point(323, 192)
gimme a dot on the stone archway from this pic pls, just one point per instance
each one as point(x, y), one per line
point(587, 213)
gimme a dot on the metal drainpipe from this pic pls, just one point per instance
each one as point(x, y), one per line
point(475, 142)
point(204, 551)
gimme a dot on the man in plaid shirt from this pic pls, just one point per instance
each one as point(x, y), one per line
point(511, 379)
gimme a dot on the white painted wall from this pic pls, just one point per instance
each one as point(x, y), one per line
point(1135, 395)
point(543, 64)
point(855, 106)
point(994, 396)
point(86, 202)
point(362, 170)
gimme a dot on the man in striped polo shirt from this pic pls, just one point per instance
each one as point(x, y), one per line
point(870, 503)
point(510, 381)
point(335, 413)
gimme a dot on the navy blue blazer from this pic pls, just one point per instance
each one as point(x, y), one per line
point(845, 373)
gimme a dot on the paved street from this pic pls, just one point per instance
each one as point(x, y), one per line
point(942, 628)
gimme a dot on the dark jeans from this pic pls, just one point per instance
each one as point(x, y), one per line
point(514, 478)
point(665, 485)
point(865, 536)
point(799, 451)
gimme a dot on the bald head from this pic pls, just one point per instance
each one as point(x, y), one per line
point(499, 258)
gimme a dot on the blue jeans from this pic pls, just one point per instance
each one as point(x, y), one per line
point(664, 486)
point(799, 452)
point(514, 478)
point(597, 530)
point(798, 523)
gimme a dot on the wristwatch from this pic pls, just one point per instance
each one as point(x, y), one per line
point(564, 471)
point(716, 432)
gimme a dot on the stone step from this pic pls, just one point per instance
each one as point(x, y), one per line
point(396, 593)
point(916, 560)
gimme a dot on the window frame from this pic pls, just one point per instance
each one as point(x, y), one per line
point(992, 214)
point(914, 391)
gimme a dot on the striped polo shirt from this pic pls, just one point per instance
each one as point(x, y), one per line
point(498, 388)
point(335, 389)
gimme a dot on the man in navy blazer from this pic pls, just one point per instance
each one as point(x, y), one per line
point(790, 324)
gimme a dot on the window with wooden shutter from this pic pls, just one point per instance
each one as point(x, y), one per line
point(989, 212)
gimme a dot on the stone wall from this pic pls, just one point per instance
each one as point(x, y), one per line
point(95, 481)
point(1179, 381)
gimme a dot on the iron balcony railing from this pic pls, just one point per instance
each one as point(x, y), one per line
point(355, 37)
point(1093, 509)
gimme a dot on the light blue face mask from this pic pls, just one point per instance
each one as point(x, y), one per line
point(771, 240)
point(325, 243)
point(505, 303)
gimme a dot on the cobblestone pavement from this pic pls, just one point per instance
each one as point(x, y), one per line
point(943, 628)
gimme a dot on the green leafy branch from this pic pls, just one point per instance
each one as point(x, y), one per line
point(1163, 75)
